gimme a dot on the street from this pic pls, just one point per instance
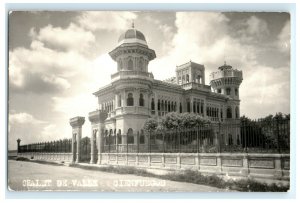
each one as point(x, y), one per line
point(28, 176)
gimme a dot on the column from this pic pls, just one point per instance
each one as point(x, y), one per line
point(76, 124)
point(78, 155)
point(136, 98)
point(92, 145)
point(100, 142)
point(155, 104)
point(18, 149)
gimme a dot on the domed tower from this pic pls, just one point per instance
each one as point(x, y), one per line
point(227, 81)
point(132, 54)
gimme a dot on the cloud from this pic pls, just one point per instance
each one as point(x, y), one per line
point(105, 20)
point(71, 38)
point(24, 118)
point(256, 26)
point(43, 70)
point(207, 40)
point(284, 38)
point(270, 94)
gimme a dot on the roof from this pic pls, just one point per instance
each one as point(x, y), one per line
point(132, 35)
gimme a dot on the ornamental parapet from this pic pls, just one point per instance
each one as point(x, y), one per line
point(226, 73)
point(97, 116)
point(130, 74)
point(194, 85)
point(77, 121)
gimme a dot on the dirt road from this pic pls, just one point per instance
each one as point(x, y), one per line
point(28, 176)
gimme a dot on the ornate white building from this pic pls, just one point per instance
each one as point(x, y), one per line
point(134, 95)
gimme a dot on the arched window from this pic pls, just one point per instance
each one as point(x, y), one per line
point(187, 78)
point(141, 100)
point(229, 112)
point(169, 106)
point(106, 137)
point(119, 100)
point(198, 79)
point(230, 141)
point(119, 137)
point(188, 106)
point(228, 91)
point(183, 79)
point(180, 108)
point(130, 138)
point(130, 65)
point(236, 112)
point(142, 137)
point(166, 106)
point(179, 80)
point(158, 105)
point(130, 99)
point(152, 106)
point(194, 106)
point(236, 92)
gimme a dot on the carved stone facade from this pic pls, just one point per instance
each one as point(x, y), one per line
point(134, 95)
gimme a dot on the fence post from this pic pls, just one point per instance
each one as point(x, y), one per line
point(149, 142)
point(127, 144)
point(218, 138)
point(179, 141)
point(197, 134)
point(163, 142)
point(278, 138)
point(138, 141)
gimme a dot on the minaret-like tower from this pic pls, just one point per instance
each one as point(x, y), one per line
point(227, 81)
point(132, 55)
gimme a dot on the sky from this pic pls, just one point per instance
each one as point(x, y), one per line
point(58, 59)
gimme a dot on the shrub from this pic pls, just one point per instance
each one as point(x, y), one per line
point(22, 159)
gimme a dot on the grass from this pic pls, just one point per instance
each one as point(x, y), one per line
point(243, 185)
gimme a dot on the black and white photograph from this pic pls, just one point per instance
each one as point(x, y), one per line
point(148, 101)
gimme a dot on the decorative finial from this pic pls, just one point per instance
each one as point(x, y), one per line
point(132, 25)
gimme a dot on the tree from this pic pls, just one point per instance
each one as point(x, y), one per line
point(150, 125)
point(175, 120)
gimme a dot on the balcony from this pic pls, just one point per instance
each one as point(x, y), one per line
point(130, 74)
point(194, 85)
point(132, 110)
point(226, 73)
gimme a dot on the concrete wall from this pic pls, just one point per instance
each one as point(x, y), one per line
point(270, 166)
point(67, 157)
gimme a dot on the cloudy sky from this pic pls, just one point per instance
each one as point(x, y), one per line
point(58, 59)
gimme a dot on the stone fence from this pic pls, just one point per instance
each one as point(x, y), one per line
point(270, 166)
point(66, 157)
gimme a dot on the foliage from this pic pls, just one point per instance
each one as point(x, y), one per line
point(272, 131)
point(22, 159)
point(175, 120)
point(191, 176)
point(150, 125)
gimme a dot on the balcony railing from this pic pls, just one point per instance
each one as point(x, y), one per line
point(194, 85)
point(226, 73)
point(130, 73)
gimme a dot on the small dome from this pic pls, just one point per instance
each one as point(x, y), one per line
point(132, 36)
point(225, 67)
